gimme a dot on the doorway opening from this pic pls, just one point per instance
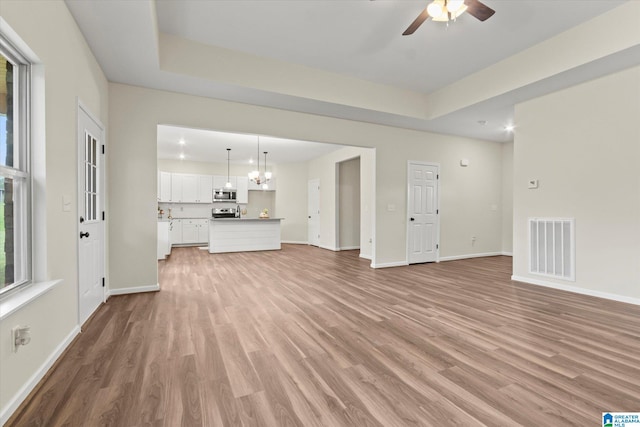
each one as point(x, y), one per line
point(348, 201)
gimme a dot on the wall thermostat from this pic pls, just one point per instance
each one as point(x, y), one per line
point(464, 162)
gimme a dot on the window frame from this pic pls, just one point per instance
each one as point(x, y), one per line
point(21, 170)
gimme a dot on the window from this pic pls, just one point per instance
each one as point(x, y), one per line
point(15, 179)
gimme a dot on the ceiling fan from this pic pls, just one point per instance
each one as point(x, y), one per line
point(446, 10)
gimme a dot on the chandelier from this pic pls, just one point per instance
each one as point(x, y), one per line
point(255, 175)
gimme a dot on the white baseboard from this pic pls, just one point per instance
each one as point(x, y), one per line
point(457, 257)
point(390, 264)
point(577, 290)
point(294, 242)
point(365, 256)
point(134, 290)
point(21, 395)
point(329, 248)
point(507, 253)
point(349, 248)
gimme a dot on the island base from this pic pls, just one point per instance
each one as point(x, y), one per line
point(244, 235)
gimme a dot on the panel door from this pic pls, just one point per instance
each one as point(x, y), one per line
point(91, 230)
point(313, 210)
point(422, 210)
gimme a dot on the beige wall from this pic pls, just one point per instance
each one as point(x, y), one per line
point(507, 198)
point(470, 196)
point(71, 73)
point(349, 204)
point(291, 201)
point(583, 145)
point(206, 168)
point(325, 168)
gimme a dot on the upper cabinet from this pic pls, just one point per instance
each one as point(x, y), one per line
point(176, 187)
point(187, 188)
point(205, 189)
point(164, 186)
point(191, 188)
point(242, 192)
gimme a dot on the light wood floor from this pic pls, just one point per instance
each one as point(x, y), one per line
point(308, 337)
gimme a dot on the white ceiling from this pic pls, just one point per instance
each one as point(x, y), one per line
point(350, 38)
point(211, 146)
point(362, 38)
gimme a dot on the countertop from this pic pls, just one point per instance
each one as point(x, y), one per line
point(246, 219)
point(165, 219)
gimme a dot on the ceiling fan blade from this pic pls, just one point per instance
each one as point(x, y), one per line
point(416, 23)
point(479, 10)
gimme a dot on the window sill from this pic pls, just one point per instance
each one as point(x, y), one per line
point(15, 301)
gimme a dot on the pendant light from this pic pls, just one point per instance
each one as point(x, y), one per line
point(255, 174)
point(228, 184)
point(267, 175)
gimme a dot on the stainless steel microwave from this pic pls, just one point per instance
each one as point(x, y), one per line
point(224, 196)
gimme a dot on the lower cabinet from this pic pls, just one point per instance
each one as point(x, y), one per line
point(190, 231)
point(164, 247)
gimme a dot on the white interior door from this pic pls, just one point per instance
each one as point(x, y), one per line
point(422, 210)
point(313, 223)
point(90, 215)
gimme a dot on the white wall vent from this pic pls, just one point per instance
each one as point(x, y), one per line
point(552, 247)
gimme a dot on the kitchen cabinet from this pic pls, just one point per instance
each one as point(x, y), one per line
point(195, 231)
point(205, 189)
point(219, 182)
point(164, 186)
point(255, 187)
point(176, 187)
point(242, 192)
point(175, 231)
point(164, 248)
point(188, 188)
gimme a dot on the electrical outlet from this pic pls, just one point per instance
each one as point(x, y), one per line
point(20, 335)
point(473, 240)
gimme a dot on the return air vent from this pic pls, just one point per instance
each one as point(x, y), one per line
point(552, 247)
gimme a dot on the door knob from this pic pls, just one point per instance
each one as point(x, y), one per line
point(84, 234)
point(413, 219)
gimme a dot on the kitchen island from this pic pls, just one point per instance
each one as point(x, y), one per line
point(244, 234)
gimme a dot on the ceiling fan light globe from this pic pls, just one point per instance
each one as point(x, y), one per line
point(227, 185)
point(454, 5)
point(267, 175)
point(435, 9)
point(460, 11)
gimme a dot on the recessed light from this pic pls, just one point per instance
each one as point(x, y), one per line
point(181, 142)
point(509, 128)
point(182, 155)
point(251, 160)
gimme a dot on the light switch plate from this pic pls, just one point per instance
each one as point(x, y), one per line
point(533, 183)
